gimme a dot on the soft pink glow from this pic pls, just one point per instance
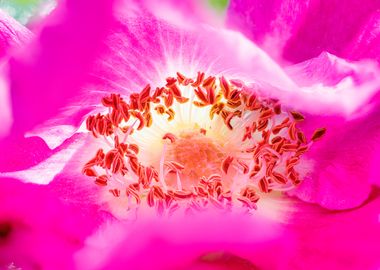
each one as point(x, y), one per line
point(81, 54)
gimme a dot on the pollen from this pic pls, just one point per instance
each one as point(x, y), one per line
point(196, 143)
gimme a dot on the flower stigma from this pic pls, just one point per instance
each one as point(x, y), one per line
point(196, 143)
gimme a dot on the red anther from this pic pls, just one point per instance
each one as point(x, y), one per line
point(237, 83)
point(157, 93)
point(200, 191)
point(210, 95)
point(89, 171)
point(109, 158)
point(170, 113)
point(134, 148)
point(181, 99)
point(170, 81)
point(202, 131)
point(214, 177)
point(225, 86)
point(140, 117)
point(133, 162)
point(265, 114)
point(160, 109)
point(101, 180)
point(276, 139)
point(175, 90)
point(170, 136)
point(247, 134)
point(132, 191)
point(233, 103)
point(269, 169)
point(148, 119)
point(291, 162)
point(181, 78)
point(169, 99)
point(301, 150)
point(199, 104)
point(115, 192)
point(250, 193)
point(263, 124)
point(134, 101)
point(201, 95)
point(215, 109)
point(289, 147)
point(182, 194)
point(115, 117)
point(301, 137)
point(199, 80)
point(279, 178)
point(124, 111)
point(297, 116)
point(226, 163)
point(117, 164)
point(229, 117)
point(244, 166)
point(277, 108)
point(158, 192)
point(255, 170)
point(292, 131)
point(144, 94)
point(318, 133)
point(209, 82)
point(263, 185)
point(150, 197)
point(235, 95)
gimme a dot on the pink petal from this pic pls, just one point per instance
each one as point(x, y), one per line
point(367, 40)
point(184, 243)
point(299, 30)
point(44, 165)
point(37, 230)
point(337, 240)
point(12, 35)
point(55, 66)
point(143, 49)
point(340, 166)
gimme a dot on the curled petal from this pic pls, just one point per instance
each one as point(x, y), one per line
point(299, 30)
point(55, 65)
point(182, 243)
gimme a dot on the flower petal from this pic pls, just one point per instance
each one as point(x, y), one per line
point(37, 230)
point(299, 30)
point(182, 243)
point(337, 240)
point(12, 35)
point(340, 164)
point(55, 66)
point(144, 49)
point(366, 43)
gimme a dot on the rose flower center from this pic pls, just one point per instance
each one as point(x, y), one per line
point(196, 143)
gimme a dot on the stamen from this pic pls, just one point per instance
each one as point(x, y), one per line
point(198, 167)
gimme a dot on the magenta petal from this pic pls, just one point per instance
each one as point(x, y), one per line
point(366, 43)
point(36, 229)
point(12, 34)
point(183, 243)
point(299, 30)
point(337, 240)
point(339, 167)
point(145, 50)
point(55, 66)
